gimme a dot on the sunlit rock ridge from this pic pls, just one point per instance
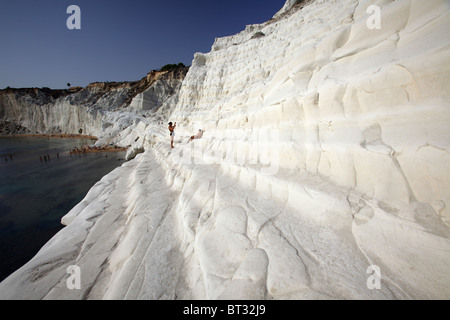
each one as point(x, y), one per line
point(323, 171)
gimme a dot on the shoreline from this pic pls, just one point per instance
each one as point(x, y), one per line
point(94, 149)
point(81, 150)
point(59, 135)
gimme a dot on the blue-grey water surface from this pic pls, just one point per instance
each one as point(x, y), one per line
point(35, 191)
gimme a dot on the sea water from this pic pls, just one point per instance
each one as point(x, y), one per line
point(40, 181)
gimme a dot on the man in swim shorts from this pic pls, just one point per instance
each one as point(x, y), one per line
point(172, 133)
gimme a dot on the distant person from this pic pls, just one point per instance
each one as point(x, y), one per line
point(198, 135)
point(172, 133)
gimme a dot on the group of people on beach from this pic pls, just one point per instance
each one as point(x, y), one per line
point(10, 157)
point(47, 157)
point(172, 127)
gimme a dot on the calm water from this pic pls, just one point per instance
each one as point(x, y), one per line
point(35, 194)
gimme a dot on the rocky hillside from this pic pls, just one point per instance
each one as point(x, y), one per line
point(47, 111)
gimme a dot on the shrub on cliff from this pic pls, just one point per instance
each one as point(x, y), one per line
point(169, 67)
point(259, 34)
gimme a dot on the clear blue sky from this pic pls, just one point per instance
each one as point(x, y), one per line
point(119, 40)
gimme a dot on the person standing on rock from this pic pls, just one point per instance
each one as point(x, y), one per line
point(172, 133)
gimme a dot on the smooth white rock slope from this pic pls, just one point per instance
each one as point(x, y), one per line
point(325, 152)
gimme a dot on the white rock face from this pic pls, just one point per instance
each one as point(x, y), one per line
point(325, 156)
point(100, 109)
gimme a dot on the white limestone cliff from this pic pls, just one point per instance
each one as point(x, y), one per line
point(115, 112)
point(325, 156)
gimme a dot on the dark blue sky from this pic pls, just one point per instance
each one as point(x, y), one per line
point(119, 40)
